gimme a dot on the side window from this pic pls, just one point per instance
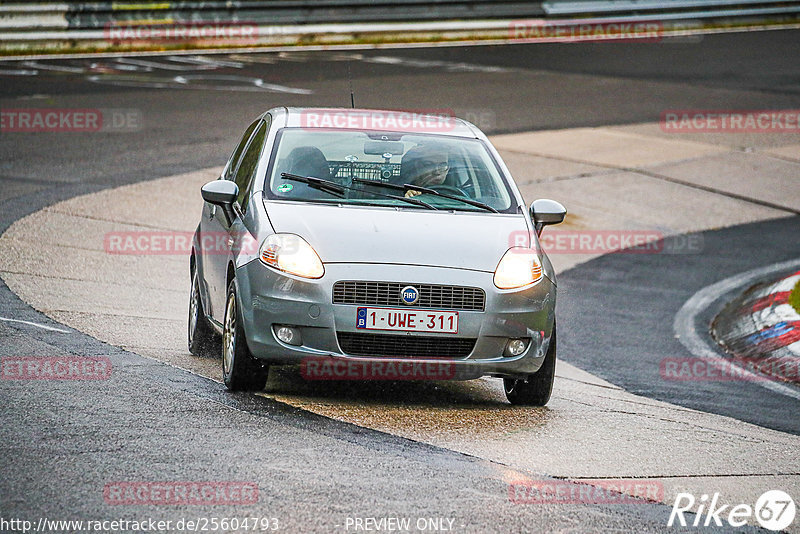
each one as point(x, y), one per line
point(247, 167)
point(230, 168)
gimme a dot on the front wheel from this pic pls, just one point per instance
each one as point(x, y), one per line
point(240, 370)
point(536, 389)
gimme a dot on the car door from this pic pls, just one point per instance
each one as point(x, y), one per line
point(213, 229)
point(233, 229)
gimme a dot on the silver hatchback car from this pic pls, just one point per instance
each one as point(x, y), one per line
point(366, 243)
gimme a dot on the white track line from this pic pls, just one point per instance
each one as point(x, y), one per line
point(699, 346)
point(37, 325)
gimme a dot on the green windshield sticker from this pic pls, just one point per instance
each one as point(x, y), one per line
point(285, 188)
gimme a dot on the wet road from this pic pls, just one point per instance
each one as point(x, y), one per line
point(62, 442)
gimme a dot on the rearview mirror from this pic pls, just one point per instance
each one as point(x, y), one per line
point(545, 211)
point(220, 193)
point(378, 148)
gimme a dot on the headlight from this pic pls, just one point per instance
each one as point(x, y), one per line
point(291, 254)
point(519, 267)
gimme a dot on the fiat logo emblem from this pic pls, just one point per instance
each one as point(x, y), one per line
point(409, 295)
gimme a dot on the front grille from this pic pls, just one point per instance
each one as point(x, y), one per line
point(358, 344)
point(388, 294)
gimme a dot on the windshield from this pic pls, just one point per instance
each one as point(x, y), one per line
point(451, 166)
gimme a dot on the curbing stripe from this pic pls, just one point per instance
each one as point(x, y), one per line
point(765, 330)
point(685, 325)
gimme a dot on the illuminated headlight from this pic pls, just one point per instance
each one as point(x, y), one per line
point(519, 267)
point(291, 254)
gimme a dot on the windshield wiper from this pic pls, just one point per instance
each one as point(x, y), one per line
point(316, 183)
point(337, 189)
point(421, 189)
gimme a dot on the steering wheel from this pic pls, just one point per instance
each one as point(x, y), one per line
point(449, 189)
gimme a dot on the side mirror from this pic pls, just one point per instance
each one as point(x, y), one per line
point(545, 211)
point(220, 193)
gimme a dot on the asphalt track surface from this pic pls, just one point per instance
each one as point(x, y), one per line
point(62, 442)
point(617, 313)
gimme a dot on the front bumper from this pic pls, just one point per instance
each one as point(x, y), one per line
point(271, 298)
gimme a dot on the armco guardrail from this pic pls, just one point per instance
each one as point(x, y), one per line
point(582, 7)
point(97, 15)
point(89, 15)
point(186, 24)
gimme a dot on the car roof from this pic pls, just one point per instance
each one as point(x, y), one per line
point(406, 121)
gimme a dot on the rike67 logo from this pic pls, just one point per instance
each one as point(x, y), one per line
point(774, 510)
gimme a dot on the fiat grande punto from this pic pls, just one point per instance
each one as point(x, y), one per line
point(363, 237)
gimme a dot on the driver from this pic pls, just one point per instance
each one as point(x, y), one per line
point(425, 166)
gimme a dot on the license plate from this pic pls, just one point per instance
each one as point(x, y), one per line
point(406, 320)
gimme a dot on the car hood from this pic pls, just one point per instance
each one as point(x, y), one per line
point(463, 240)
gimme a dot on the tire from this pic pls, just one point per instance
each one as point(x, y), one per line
point(536, 389)
point(202, 339)
point(240, 370)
